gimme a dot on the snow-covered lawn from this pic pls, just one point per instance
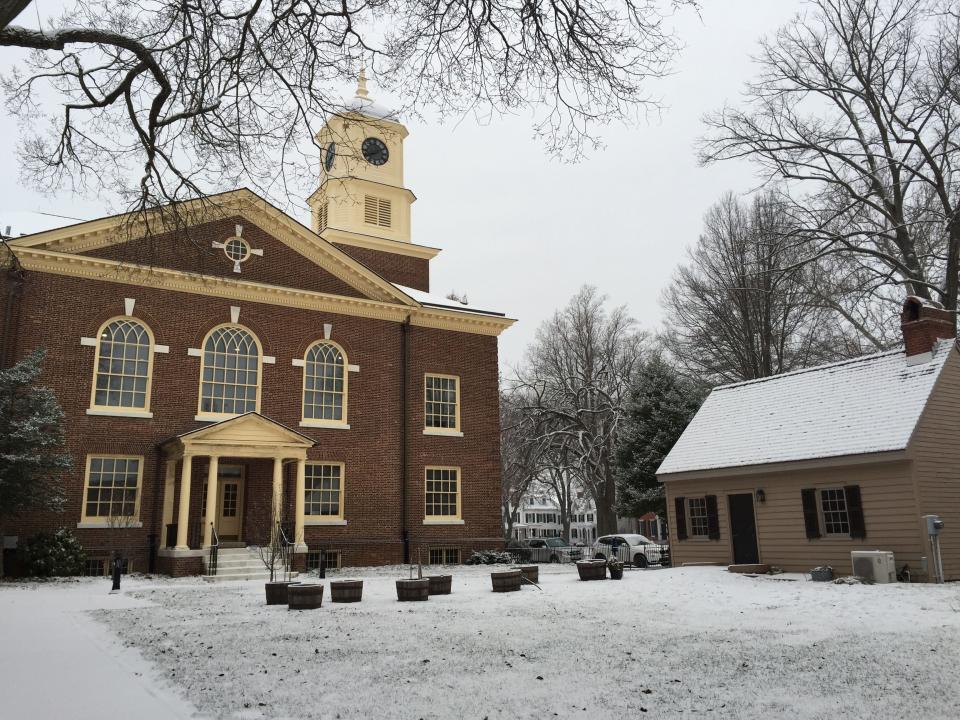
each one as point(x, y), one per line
point(672, 643)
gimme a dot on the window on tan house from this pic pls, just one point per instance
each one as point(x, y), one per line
point(699, 524)
point(377, 211)
point(833, 506)
point(442, 494)
point(324, 491)
point(325, 384)
point(111, 493)
point(444, 556)
point(123, 366)
point(230, 372)
point(441, 403)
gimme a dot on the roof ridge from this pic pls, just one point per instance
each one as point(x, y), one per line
point(815, 368)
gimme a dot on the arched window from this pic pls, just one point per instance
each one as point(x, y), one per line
point(230, 373)
point(123, 365)
point(325, 384)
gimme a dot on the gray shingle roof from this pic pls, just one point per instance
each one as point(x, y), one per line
point(869, 404)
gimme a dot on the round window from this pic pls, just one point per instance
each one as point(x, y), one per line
point(237, 249)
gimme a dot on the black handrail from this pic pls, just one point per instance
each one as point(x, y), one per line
point(286, 551)
point(214, 551)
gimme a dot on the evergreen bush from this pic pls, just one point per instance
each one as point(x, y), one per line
point(53, 555)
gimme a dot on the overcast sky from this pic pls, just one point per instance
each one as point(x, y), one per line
point(521, 232)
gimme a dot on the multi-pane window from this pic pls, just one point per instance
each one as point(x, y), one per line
point(698, 516)
point(324, 490)
point(324, 383)
point(441, 402)
point(833, 502)
point(111, 488)
point(330, 558)
point(122, 371)
point(442, 493)
point(445, 556)
point(230, 382)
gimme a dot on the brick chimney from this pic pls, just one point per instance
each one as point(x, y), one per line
point(923, 322)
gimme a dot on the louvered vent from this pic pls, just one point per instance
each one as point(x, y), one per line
point(377, 211)
point(322, 217)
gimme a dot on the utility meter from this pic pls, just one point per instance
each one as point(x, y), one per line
point(934, 524)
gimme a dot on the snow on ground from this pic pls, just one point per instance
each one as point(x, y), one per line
point(55, 661)
point(683, 642)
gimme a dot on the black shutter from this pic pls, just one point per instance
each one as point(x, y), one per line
point(858, 528)
point(680, 521)
point(713, 518)
point(811, 518)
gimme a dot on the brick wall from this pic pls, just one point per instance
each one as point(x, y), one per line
point(401, 269)
point(280, 265)
point(57, 311)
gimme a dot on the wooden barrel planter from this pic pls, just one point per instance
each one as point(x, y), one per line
point(411, 590)
point(440, 584)
point(346, 591)
point(530, 572)
point(592, 569)
point(277, 592)
point(304, 597)
point(506, 580)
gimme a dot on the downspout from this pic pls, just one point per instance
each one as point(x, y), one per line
point(14, 289)
point(156, 538)
point(404, 531)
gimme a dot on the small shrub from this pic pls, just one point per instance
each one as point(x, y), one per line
point(489, 557)
point(53, 555)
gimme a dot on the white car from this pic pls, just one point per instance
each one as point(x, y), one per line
point(635, 549)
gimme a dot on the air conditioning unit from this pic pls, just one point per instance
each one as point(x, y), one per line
point(875, 566)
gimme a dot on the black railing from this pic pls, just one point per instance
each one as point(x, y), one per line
point(285, 548)
point(214, 551)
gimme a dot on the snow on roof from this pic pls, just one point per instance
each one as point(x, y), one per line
point(366, 106)
point(425, 298)
point(866, 405)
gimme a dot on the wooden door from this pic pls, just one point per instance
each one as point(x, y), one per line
point(230, 501)
point(743, 529)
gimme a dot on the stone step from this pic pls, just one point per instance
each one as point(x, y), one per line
point(233, 577)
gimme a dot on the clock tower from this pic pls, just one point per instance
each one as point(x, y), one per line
point(361, 200)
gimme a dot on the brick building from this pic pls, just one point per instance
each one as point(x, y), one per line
point(244, 369)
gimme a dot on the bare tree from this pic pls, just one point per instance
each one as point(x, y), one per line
point(518, 450)
point(856, 107)
point(162, 100)
point(577, 376)
point(744, 306)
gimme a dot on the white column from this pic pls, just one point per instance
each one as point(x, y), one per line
point(277, 492)
point(211, 501)
point(184, 516)
point(299, 501)
point(169, 486)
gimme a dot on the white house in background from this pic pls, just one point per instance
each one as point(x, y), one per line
point(538, 515)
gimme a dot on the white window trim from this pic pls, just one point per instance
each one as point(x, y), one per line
point(98, 521)
point(327, 424)
point(340, 519)
point(214, 417)
point(442, 432)
point(444, 519)
point(145, 414)
point(315, 521)
point(445, 522)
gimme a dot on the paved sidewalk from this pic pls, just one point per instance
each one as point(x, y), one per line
point(56, 661)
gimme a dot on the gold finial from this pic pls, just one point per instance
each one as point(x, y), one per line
point(362, 84)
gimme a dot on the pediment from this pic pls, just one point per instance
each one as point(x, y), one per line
point(247, 434)
point(294, 248)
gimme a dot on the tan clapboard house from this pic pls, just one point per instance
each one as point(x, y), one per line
point(798, 469)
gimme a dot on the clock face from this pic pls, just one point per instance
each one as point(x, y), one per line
point(330, 156)
point(375, 151)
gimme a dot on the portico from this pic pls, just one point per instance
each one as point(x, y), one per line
point(246, 437)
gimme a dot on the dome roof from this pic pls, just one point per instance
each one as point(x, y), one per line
point(363, 104)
